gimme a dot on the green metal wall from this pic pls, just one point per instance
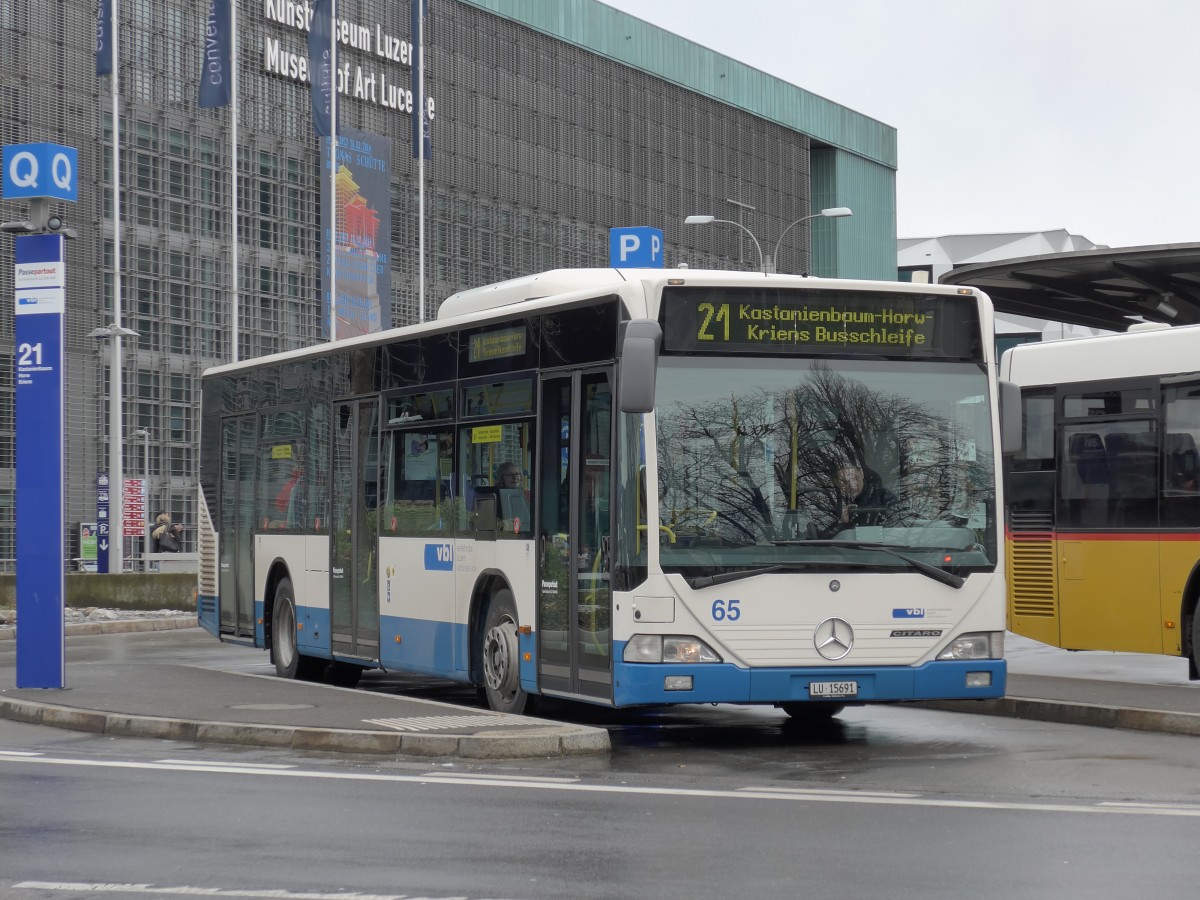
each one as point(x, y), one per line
point(854, 166)
point(863, 246)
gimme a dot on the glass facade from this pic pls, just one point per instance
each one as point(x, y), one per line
point(539, 147)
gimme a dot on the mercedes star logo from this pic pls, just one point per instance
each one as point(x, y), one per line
point(834, 638)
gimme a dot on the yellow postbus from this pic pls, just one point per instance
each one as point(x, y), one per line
point(1103, 500)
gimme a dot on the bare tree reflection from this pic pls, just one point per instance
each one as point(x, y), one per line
point(748, 466)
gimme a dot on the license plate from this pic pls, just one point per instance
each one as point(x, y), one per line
point(833, 689)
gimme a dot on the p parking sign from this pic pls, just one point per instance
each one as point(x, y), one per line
point(635, 248)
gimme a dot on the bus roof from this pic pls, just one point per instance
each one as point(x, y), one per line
point(1162, 351)
point(556, 285)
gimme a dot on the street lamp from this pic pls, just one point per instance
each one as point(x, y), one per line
point(834, 212)
point(742, 209)
point(766, 264)
point(708, 220)
point(116, 520)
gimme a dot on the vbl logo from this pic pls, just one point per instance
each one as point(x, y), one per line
point(439, 557)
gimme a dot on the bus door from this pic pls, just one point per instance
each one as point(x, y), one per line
point(575, 590)
point(354, 529)
point(236, 528)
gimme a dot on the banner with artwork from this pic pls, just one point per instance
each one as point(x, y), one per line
point(363, 273)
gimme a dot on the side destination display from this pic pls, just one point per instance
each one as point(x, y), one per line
point(834, 323)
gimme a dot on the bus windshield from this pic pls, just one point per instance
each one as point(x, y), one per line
point(810, 462)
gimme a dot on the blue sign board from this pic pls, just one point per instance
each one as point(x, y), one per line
point(40, 170)
point(38, 326)
point(102, 533)
point(635, 248)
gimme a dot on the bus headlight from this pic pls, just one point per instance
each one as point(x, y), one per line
point(975, 645)
point(671, 648)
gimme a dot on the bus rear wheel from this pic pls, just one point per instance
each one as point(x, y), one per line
point(812, 713)
point(285, 653)
point(500, 655)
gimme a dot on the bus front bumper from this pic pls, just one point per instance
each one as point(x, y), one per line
point(645, 683)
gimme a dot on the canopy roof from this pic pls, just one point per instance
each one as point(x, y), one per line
point(1098, 288)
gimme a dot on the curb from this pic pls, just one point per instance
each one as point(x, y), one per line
point(1094, 715)
point(529, 744)
point(115, 626)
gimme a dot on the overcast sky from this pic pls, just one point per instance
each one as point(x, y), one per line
point(1012, 115)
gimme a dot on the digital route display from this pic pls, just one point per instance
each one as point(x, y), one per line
point(821, 323)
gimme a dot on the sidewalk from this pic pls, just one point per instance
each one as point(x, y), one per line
point(172, 700)
point(1109, 690)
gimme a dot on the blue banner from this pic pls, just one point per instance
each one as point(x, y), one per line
point(104, 37)
point(421, 146)
point(364, 240)
point(216, 73)
point(320, 67)
point(40, 278)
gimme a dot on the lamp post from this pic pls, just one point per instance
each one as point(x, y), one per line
point(742, 209)
point(766, 264)
point(834, 212)
point(708, 220)
point(113, 333)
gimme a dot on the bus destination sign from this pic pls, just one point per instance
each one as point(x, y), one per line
point(824, 322)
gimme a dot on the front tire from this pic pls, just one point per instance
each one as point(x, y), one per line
point(500, 654)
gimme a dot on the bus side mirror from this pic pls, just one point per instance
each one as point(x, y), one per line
point(638, 364)
point(1011, 438)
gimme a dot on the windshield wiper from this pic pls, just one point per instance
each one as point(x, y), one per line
point(924, 568)
point(703, 581)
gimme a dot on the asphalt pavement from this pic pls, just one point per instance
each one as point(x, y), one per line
point(188, 702)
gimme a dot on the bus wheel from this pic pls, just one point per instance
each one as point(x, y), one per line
point(1196, 639)
point(500, 656)
point(812, 713)
point(284, 653)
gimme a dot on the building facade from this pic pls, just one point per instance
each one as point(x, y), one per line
point(554, 120)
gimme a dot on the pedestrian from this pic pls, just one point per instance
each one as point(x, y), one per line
point(171, 540)
point(161, 526)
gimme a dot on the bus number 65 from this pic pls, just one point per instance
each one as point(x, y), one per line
point(726, 609)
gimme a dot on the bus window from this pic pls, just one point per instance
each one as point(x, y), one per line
point(494, 466)
point(419, 483)
point(1037, 417)
point(1181, 461)
point(1132, 460)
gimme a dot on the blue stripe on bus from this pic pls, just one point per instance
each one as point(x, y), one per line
point(432, 648)
point(424, 647)
point(639, 683)
point(206, 614)
point(528, 644)
point(313, 638)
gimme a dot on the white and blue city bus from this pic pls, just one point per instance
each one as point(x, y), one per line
point(625, 487)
